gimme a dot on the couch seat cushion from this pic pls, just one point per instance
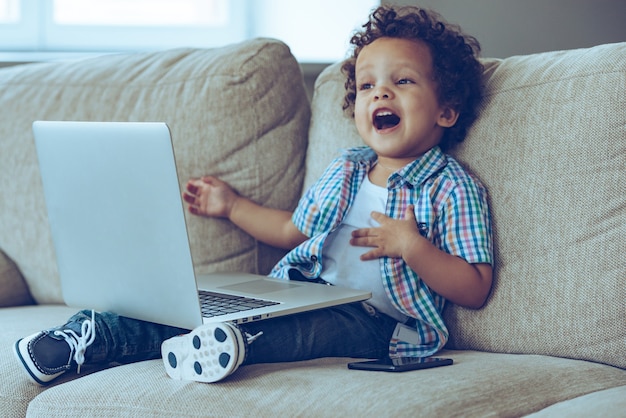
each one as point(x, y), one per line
point(478, 384)
point(606, 403)
point(15, 388)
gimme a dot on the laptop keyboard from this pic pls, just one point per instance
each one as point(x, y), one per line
point(214, 304)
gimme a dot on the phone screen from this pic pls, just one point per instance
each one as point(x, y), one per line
point(400, 364)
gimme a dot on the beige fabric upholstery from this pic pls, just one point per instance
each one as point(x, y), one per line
point(331, 130)
point(13, 289)
point(478, 384)
point(225, 107)
point(16, 390)
point(550, 145)
point(607, 403)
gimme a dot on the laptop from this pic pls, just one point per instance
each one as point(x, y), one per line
point(118, 227)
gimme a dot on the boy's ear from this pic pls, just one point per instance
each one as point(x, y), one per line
point(448, 117)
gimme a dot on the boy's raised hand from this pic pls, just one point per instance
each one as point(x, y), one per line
point(209, 196)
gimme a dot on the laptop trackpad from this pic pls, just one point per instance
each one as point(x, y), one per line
point(261, 286)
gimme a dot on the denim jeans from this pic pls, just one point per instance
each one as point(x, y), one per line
point(342, 331)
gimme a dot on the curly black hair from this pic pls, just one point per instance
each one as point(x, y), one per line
point(457, 70)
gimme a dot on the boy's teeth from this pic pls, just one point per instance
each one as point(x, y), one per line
point(385, 119)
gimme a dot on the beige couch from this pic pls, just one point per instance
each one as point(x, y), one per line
point(550, 145)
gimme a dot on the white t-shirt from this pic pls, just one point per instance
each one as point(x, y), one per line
point(341, 263)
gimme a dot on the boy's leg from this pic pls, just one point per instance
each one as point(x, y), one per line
point(90, 337)
point(213, 351)
point(352, 330)
point(125, 340)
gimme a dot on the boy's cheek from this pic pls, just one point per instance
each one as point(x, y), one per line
point(361, 119)
point(360, 108)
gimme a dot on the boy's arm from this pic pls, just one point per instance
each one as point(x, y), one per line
point(271, 226)
point(450, 276)
point(212, 197)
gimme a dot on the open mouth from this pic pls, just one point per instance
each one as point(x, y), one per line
point(385, 119)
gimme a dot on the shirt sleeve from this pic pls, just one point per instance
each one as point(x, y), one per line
point(465, 223)
point(312, 215)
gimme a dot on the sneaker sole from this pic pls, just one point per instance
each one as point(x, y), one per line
point(207, 354)
point(33, 373)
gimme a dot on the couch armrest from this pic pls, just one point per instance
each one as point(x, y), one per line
point(13, 288)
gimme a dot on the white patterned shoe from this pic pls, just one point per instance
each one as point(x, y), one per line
point(207, 354)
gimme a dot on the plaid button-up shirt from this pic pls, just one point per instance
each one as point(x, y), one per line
point(451, 210)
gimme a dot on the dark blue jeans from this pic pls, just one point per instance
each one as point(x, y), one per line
point(342, 331)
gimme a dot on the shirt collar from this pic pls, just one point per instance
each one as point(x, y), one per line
point(423, 168)
point(360, 155)
point(415, 173)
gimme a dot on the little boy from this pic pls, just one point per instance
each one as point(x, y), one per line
point(397, 217)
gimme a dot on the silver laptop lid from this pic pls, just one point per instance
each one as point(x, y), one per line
point(101, 182)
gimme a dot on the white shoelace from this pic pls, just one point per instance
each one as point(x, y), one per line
point(250, 338)
point(79, 343)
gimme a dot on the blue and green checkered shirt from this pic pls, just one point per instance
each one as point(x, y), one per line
point(451, 210)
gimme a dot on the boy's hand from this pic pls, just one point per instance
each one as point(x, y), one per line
point(391, 238)
point(450, 276)
point(212, 197)
point(209, 196)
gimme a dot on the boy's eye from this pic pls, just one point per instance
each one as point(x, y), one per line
point(365, 86)
point(405, 81)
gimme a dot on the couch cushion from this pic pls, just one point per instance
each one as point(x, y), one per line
point(606, 403)
point(16, 391)
point(550, 145)
point(478, 384)
point(239, 112)
point(13, 287)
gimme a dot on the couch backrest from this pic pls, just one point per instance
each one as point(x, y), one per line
point(239, 112)
point(550, 145)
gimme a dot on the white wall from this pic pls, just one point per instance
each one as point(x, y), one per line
point(514, 27)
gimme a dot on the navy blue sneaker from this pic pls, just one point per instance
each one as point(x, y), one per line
point(48, 354)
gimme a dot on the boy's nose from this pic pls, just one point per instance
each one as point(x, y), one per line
point(382, 93)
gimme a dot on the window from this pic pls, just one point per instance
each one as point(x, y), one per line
point(118, 25)
point(141, 13)
point(18, 29)
point(316, 31)
point(9, 11)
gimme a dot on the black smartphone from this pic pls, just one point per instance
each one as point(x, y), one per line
point(400, 364)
